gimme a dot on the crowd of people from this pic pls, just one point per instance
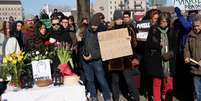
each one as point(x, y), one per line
point(157, 66)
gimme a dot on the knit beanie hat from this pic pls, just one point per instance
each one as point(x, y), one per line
point(117, 14)
point(101, 15)
point(95, 20)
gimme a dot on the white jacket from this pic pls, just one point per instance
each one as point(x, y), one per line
point(11, 46)
point(1, 42)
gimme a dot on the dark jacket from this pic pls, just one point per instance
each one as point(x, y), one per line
point(72, 34)
point(193, 50)
point(132, 32)
point(91, 44)
point(66, 36)
point(60, 35)
point(124, 62)
point(38, 42)
point(153, 56)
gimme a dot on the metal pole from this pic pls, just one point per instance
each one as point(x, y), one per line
point(154, 2)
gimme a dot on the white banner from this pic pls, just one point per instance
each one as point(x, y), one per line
point(188, 4)
point(41, 70)
point(143, 28)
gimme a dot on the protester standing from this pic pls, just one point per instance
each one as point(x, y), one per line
point(131, 62)
point(18, 34)
point(94, 66)
point(192, 51)
point(160, 57)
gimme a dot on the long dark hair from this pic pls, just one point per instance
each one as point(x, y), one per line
point(72, 19)
point(37, 27)
point(15, 26)
point(5, 29)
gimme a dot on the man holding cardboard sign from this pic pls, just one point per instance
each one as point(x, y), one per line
point(117, 48)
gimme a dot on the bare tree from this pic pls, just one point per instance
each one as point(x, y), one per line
point(83, 7)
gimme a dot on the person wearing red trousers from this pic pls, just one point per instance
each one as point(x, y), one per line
point(159, 60)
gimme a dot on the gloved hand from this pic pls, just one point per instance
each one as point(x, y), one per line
point(177, 11)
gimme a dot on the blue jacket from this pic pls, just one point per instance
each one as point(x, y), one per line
point(91, 44)
point(187, 25)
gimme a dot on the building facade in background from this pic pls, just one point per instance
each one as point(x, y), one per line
point(158, 3)
point(11, 8)
point(107, 7)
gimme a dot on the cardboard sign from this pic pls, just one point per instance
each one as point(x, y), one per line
point(143, 28)
point(41, 70)
point(188, 4)
point(114, 44)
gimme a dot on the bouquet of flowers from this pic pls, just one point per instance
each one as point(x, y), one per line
point(13, 66)
point(65, 56)
point(36, 55)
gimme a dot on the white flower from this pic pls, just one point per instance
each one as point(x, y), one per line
point(9, 78)
point(1, 79)
point(37, 52)
point(52, 40)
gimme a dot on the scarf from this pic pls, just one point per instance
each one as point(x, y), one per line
point(164, 40)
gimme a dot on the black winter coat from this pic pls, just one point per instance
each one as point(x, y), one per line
point(153, 56)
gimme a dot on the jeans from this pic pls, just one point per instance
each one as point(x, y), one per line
point(95, 69)
point(128, 75)
point(115, 82)
point(197, 84)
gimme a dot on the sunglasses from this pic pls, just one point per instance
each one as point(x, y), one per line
point(55, 24)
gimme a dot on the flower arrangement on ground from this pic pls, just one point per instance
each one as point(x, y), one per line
point(13, 66)
point(65, 56)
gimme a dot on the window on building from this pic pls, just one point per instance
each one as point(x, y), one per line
point(115, 2)
point(110, 2)
point(2, 9)
point(111, 18)
point(111, 12)
point(110, 7)
point(15, 18)
point(18, 9)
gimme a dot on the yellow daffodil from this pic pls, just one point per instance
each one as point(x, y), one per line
point(5, 60)
point(20, 58)
point(14, 62)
